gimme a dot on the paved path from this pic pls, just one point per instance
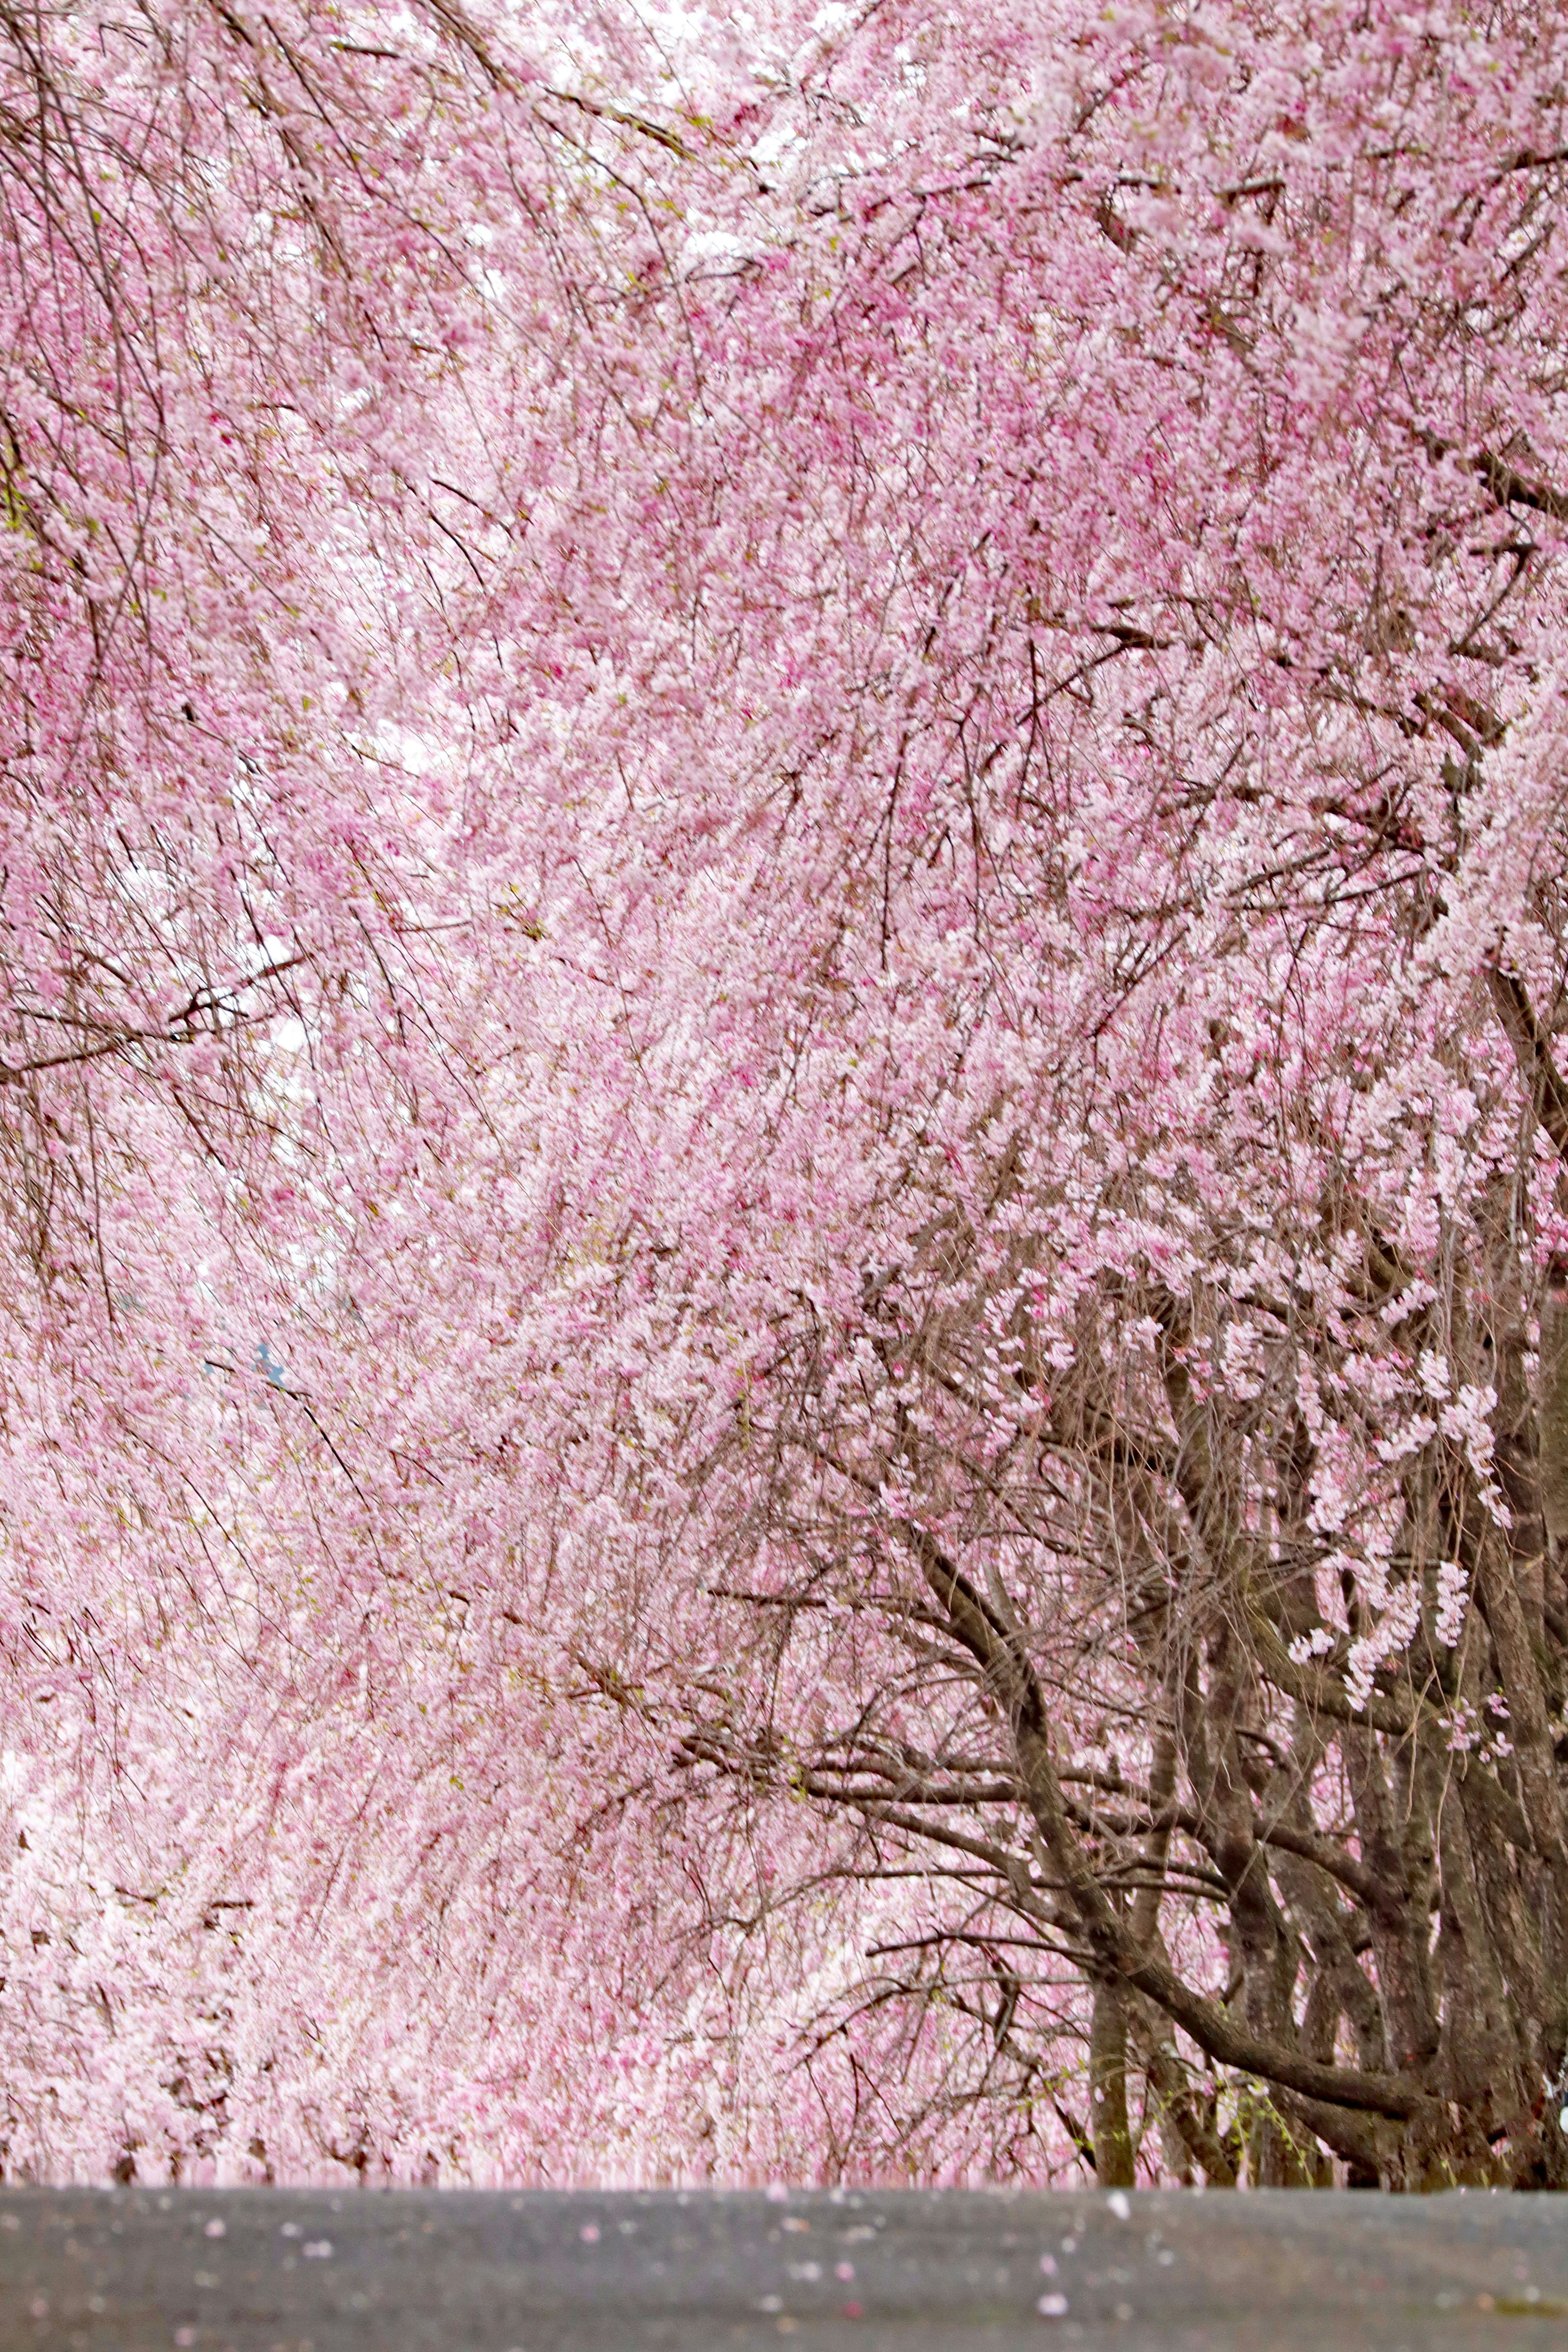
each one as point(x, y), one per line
point(412, 2271)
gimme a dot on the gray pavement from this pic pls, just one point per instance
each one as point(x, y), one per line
point(144, 2270)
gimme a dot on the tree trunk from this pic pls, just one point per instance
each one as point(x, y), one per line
point(1113, 2164)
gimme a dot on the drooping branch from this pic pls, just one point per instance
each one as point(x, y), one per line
point(1016, 1689)
point(1547, 1091)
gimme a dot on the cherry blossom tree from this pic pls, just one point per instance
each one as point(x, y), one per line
point(782, 943)
point(292, 304)
point(1123, 1267)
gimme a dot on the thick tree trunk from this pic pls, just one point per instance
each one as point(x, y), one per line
point(1113, 2156)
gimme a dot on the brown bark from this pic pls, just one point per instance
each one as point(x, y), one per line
point(1112, 2133)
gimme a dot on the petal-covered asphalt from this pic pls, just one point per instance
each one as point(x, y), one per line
point(854, 2271)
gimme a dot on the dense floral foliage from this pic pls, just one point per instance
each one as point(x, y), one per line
point(786, 1376)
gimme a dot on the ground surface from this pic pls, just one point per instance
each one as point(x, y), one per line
point(271, 2270)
